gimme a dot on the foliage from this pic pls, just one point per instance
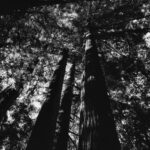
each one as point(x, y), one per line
point(42, 31)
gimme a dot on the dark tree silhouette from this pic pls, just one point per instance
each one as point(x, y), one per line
point(97, 127)
point(44, 129)
point(64, 114)
point(8, 97)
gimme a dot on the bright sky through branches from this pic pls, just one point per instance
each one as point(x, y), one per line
point(147, 39)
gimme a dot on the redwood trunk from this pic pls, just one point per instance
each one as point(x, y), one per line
point(64, 116)
point(97, 127)
point(43, 132)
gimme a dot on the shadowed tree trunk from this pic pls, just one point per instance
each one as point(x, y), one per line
point(7, 98)
point(97, 127)
point(61, 140)
point(43, 132)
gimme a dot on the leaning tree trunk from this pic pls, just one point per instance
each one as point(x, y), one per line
point(64, 115)
point(7, 98)
point(97, 127)
point(43, 132)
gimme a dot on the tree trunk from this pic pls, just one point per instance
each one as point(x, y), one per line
point(61, 140)
point(97, 126)
point(7, 98)
point(43, 132)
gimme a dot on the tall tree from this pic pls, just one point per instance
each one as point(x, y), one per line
point(64, 114)
point(44, 129)
point(97, 127)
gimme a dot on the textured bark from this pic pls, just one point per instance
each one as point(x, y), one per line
point(97, 127)
point(43, 132)
point(61, 140)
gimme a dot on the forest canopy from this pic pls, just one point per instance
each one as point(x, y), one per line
point(107, 42)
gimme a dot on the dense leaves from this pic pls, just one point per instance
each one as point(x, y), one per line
point(30, 42)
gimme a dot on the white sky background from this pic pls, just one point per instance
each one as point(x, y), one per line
point(147, 39)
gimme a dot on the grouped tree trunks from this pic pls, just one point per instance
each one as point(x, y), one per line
point(97, 126)
point(43, 132)
point(64, 113)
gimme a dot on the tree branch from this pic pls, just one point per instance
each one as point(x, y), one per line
point(73, 133)
point(73, 142)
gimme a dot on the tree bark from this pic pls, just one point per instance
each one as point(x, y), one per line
point(43, 132)
point(97, 126)
point(61, 140)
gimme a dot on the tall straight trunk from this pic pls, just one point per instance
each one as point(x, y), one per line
point(64, 116)
point(43, 132)
point(97, 127)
